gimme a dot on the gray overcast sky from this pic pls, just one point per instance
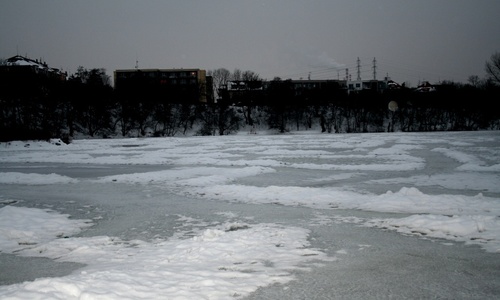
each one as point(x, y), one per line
point(411, 40)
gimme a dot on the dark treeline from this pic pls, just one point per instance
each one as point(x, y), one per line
point(450, 107)
point(87, 105)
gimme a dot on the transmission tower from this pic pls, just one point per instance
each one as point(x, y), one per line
point(374, 69)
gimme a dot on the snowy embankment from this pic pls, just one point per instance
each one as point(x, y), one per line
point(230, 259)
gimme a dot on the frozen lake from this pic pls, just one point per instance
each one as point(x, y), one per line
point(296, 216)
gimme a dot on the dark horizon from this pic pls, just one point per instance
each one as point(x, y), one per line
point(346, 75)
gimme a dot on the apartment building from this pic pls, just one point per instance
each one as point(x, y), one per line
point(168, 85)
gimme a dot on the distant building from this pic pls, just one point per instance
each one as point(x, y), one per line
point(305, 87)
point(356, 86)
point(168, 85)
point(22, 68)
point(392, 85)
point(257, 92)
point(25, 78)
point(241, 92)
point(425, 87)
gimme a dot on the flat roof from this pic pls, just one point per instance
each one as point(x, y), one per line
point(157, 70)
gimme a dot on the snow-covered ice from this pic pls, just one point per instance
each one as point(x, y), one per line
point(236, 216)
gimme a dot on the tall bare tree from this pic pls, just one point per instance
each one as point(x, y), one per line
point(250, 76)
point(236, 76)
point(492, 67)
point(220, 78)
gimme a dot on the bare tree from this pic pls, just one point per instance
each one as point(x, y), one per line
point(474, 80)
point(253, 83)
point(236, 76)
point(492, 67)
point(220, 78)
point(250, 76)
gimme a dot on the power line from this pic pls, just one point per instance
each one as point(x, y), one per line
point(404, 71)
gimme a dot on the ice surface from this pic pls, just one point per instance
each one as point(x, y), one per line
point(234, 216)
